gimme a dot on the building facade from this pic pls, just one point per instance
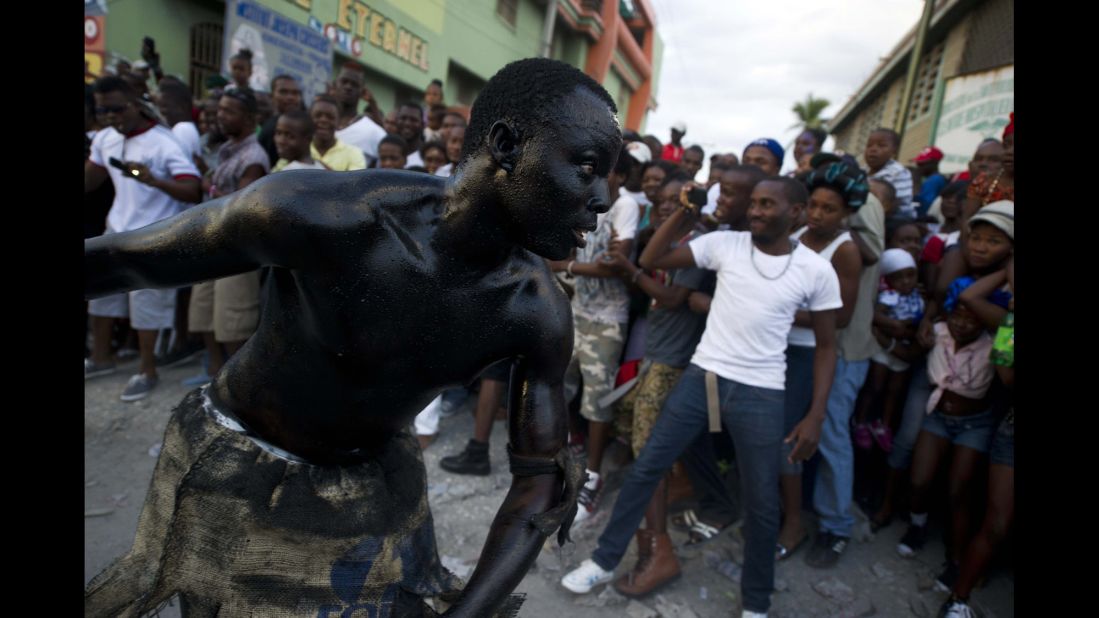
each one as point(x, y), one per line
point(963, 92)
point(403, 45)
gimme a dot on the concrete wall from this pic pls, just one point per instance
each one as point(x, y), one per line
point(169, 22)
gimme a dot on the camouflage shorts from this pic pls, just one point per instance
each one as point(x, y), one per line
point(642, 405)
point(597, 350)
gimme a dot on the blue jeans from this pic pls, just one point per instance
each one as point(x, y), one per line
point(836, 474)
point(915, 409)
point(753, 417)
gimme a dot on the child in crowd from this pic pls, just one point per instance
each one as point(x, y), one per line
point(903, 232)
point(434, 156)
point(391, 153)
point(945, 234)
point(881, 159)
point(293, 135)
point(896, 316)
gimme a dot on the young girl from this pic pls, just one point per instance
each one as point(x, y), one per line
point(896, 316)
point(946, 234)
point(434, 156)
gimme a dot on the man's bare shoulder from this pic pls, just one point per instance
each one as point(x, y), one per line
point(324, 194)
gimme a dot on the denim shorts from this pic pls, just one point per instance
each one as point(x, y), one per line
point(1002, 451)
point(973, 431)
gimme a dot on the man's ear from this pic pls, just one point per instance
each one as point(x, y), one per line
point(503, 143)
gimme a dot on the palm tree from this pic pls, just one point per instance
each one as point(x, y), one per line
point(808, 113)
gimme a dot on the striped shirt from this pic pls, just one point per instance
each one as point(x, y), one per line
point(897, 175)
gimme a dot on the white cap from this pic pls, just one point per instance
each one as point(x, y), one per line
point(640, 151)
point(893, 260)
point(680, 126)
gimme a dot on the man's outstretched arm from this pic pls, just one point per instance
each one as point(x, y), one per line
point(539, 499)
point(226, 236)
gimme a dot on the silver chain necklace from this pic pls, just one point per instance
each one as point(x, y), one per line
point(793, 245)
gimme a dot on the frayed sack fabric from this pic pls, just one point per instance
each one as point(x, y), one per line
point(238, 529)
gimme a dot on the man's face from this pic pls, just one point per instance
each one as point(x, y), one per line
point(561, 170)
point(389, 123)
point(324, 116)
point(349, 87)
point(762, 158)
point(692, 162)
point(118, 111)
point(879, 150)
point(291, 141)
point(734, 198)
point(233, 120)
point(450, 121)
point(433, 95)
point(770, 212)
point(390, 157)
point(987, 159)
point(454, 142)
point(287, 96)
point(804, 144)
point(676, 136)
point(172, 110)
point(410, 125)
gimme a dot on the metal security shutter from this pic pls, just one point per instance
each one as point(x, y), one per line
point(205, 55)
point(991, 39)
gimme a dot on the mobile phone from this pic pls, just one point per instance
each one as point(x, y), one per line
point(119, 164)
point(697, 196)
point(150, 44)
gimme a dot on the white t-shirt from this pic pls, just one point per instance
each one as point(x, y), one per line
point(801, 335)
point(187, 134)
point(137, 204)
point(414, 159)
point(298, 165)
point(750, 316)
point(445, 170)
point(363, 134)
point(711, 199)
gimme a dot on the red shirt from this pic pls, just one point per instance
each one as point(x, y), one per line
point(672, 153)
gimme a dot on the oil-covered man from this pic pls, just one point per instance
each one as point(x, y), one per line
point(290, 485)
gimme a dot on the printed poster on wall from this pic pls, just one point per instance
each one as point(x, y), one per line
point(975, 107)
point(279, 46)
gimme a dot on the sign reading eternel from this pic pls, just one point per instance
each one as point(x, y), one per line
point(280, 46)
point(357, 22)
point(975, 107)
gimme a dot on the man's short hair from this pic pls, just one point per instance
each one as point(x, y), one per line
point(353, 66)
point(324, 98)
point(245, 96)
point(954, 189)
point(281, 76)
point(677, 176)
point(411, 104)
point(525, 93)
point(698, 149)
point(795, 192)
point(753, 172)
point(176, 94)
point(437, 82)
point(396, 140)
point(893, 135)
point(300, 116)
point(457, 115)
point(720, 164)
point(112, 83)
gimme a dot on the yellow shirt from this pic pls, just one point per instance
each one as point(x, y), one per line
point(341, 157)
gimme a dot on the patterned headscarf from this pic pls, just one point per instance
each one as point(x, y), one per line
point(847, 180)
point(999, 297)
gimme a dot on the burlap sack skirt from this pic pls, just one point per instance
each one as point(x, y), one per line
point(239, 531)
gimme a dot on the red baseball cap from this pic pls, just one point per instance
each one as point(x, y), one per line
point(930, 153)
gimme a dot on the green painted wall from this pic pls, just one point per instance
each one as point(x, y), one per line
point(613, 84)
point(169, 22)
point(658, 59)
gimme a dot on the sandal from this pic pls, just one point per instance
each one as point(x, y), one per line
point(685, 520)
point(782, 553)
point(701, 532)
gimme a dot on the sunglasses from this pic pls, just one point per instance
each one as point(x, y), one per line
point(110, 109)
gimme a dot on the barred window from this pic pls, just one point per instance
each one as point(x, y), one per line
point(205, 55)
point(991, 38)
point(923, 91)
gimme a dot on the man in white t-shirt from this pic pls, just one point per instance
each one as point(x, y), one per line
point(154, 179)
point(174, 104)
point(737, 375)
point(358, 130)
point(600, 312)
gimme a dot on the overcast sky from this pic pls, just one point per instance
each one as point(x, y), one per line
point(732, 69)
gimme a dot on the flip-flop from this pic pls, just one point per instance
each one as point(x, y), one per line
point(781, 553)
point(701, 532)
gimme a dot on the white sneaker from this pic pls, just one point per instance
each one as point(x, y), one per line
point(748, 614)
point(587, 576)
